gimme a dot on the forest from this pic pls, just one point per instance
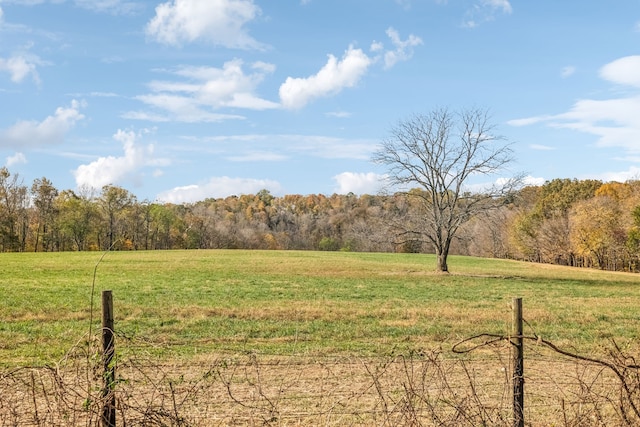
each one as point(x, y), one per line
point(581, 223)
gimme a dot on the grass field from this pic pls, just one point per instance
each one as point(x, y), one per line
point(192, 303)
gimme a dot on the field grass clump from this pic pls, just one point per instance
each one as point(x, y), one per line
point(190, 303)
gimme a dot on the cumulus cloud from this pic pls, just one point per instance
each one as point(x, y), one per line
point(217, 187)
point(533, 181)
point(334, 76)
point(51, 130)
point(624, 71)
point(633, 173)
point(403, 48)
point(20, 67)
point(613, 121)
point(113, 170)
point(359, 183)
point(220, 22)
point(16, 159)
point(196, 92)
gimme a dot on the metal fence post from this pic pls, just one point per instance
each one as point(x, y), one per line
point(518, 364)
point(108, 348)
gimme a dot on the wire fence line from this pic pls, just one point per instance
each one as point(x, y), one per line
point(472, 384)
point(426, 388)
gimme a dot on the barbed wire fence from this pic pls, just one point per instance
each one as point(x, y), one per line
point(469, 385)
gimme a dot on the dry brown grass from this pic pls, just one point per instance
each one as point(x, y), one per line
point(427, 388)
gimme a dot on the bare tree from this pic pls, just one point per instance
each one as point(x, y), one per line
point(438, 153)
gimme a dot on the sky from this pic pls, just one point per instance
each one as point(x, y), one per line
point(182, 100)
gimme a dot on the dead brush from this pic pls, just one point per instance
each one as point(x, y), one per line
point(422, 388)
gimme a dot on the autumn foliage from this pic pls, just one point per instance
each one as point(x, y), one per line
point(582, 223)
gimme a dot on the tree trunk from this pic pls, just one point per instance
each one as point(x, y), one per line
point(442, 253)
point(442, 263)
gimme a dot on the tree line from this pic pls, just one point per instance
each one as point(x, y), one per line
point(583, 223)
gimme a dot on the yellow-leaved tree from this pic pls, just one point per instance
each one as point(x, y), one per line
point(596, 231)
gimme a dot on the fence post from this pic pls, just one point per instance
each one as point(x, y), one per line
point(108, 348)
point(518, 364)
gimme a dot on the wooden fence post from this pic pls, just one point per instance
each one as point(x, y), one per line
point(108, 348)
point(518, 364)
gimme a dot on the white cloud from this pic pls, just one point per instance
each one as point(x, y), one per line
point(633, 173)
point(485, 11)
point(337, 75)
point(177, 108)
point(307, 145)
point(217, 187)
point(359, 183)
point(17, 158)
point(624, 71)
point(403, 48)
point(112, 170)
point(330, 148)
point(52, 130)
point(258, 156)
point(503, 5)
point(109, 6)
point(533, 181)
point(197, 91)
point(21, 66)
point(150, 117)
point(483, 187)
point(338, 114)
point(220, 22)
point(528, 120)
point(376, 46)
point(567, 71)
point(25, 2)
point(331, 79)
point(615, 121)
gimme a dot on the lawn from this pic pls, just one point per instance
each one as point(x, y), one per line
point(190, 303)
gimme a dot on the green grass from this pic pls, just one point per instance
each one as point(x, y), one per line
point(189, 303)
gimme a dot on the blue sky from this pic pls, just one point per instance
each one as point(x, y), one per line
point(181, 100)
